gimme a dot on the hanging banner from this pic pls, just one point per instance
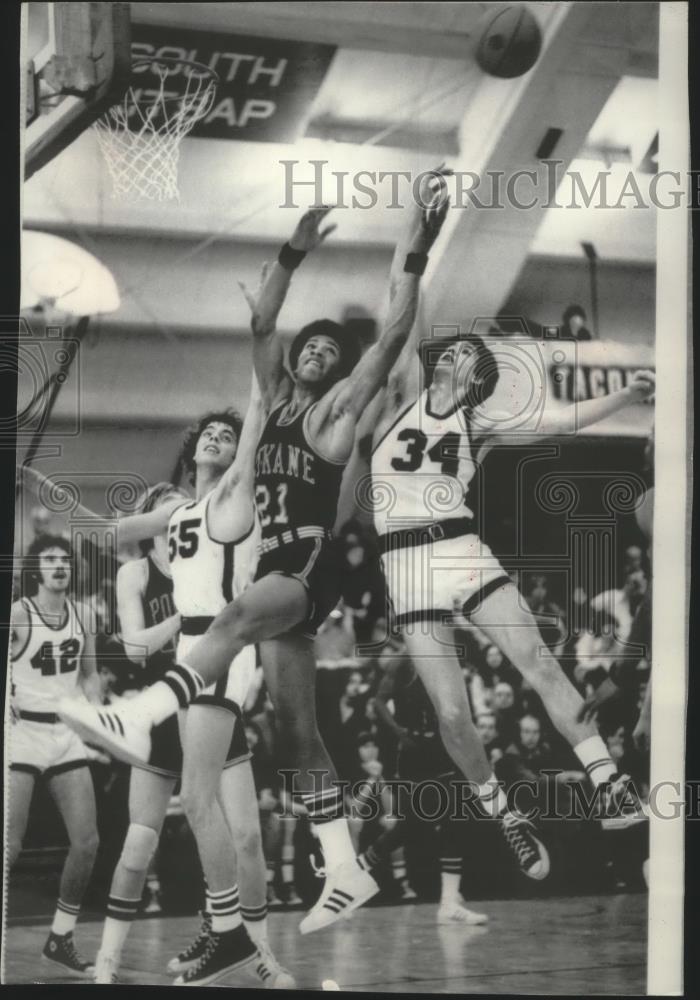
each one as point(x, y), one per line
point(266, 85)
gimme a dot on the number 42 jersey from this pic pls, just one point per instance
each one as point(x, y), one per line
point(424, 469)
point(45, 668)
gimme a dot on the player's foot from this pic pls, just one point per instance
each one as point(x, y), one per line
point(106, 969)
point(60, 949)
point(273, 975)
point(121, 733)
point(194, 951)
point(622, 806)
point(528, 850)
point(291, 896)
point(406, 893)
point(226, 952)
point(455, 913)
point(347, 887)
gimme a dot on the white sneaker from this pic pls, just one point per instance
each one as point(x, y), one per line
point(281, 978)
point(347, 887)
point(106, 970)
point(455, 913)
point(118, 731)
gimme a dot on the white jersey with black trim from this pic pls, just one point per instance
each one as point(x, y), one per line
point(207, 574)
point(46, 667)
point(424, 469)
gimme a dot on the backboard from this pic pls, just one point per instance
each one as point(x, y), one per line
point(76, 62)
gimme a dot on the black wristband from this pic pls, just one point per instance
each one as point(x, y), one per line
point(415, 263)
point(289, 258)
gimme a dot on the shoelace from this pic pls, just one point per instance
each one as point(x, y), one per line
point(204, 960)
point(204, 935)
point(72, 954)
point(516, 835)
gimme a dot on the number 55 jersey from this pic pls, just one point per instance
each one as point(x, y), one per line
point(425, 496)
point(207, 575)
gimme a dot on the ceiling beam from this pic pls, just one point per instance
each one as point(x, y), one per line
point(419, 29)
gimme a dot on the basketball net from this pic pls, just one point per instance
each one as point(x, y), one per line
point(140, 137)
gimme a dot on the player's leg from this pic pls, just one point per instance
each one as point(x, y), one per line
point(239, 803)
point(149, 795)
point(289, 669)
point(451, 845)
point(73, 792)
point(512, 627)
point(21, 791)
point(432, 649)
point(268, 607)
point(206, 738)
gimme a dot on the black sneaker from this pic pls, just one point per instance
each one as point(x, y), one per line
point(60, 949)
point(529, 852)
point(226, 952)
point(622, 806)
point(192, 954)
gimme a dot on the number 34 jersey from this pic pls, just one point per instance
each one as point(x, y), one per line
point(207, 574)
point(424, 469)
point(45, 667)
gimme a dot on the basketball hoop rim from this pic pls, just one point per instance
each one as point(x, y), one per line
point(204, 71)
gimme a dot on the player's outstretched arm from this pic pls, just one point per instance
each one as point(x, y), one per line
point(354, 393)
point(268, 355)
point(405, 376)
point(131, 528)
point(139, 641)
point(590, 411)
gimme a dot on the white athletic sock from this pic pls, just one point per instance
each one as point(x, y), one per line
point(225, 909)
point(335, 842)
point(449, 888)
point(492, 797)
point(594, 756)
point(257, 929)
point(180, 686)
point(120, 916)
point(65, 918)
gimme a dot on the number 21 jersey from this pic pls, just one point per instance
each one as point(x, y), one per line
point(295, 486)
point(424, 469)
point(45, 667)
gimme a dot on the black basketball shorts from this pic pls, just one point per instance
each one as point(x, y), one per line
point(166, 747)
point(312, 561)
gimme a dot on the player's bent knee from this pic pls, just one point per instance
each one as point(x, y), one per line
point(86, 844)
point(139, 847)
point(197, 805)
point(236, 621)
point(247, 839)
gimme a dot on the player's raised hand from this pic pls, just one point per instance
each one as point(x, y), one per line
point(431, 220)
point(642, 386)
point(252, 298)
point(308, 233)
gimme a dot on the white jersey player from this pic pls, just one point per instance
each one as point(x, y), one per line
point(52, 656)
point(431, 432)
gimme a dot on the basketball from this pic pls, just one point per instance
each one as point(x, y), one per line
point(509, 43)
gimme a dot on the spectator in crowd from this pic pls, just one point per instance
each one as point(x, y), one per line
point(596, 650)
point(39, 522)
point(364, 591)
point(573, 324)
point(488, 731)
point(505, 711)
point(622, 604)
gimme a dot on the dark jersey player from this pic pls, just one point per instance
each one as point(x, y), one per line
point(313, 412)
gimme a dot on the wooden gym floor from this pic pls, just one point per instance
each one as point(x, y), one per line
point(577, 946)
